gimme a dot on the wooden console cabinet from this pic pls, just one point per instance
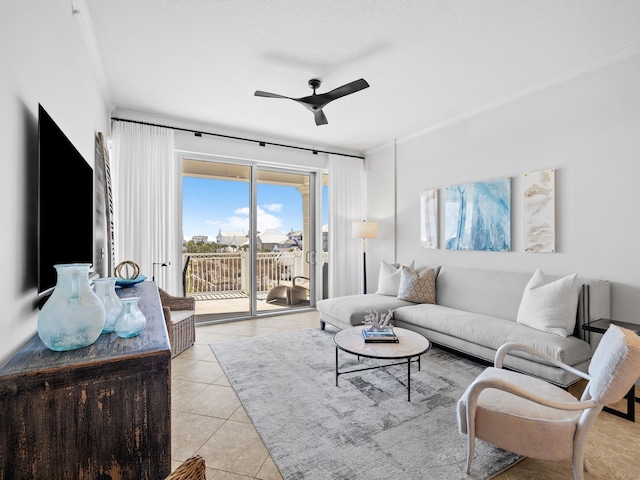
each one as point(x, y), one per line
point(100, 412)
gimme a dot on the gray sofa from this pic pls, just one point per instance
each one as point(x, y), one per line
point(476, 313)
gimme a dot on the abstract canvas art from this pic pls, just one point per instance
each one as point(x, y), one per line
point(539, 207)
point(429, 218)
point(478, 216)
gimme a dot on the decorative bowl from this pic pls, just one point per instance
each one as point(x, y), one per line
point(129, 282)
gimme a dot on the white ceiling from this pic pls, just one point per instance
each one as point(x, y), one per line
point(427, 61)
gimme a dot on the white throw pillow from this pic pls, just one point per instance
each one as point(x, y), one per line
point(389, 278)
point(550, 306)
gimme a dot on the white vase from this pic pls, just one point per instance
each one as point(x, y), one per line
point(106, 291)
point(73, 317)
point(131, 320)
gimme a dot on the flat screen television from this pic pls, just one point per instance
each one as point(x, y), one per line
point(65, 203)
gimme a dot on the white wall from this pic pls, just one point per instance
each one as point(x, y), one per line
point(43, 59)
point(587, 128)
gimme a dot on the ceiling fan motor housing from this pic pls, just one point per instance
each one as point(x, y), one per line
point(314, 83)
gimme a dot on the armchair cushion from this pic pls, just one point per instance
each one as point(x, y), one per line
point(614, 365)
point(516, 424)
point(179, 315)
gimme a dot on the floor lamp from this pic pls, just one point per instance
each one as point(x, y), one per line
point(162, 264)
point(364, 230)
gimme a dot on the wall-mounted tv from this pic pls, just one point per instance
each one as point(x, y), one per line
point(65, 203)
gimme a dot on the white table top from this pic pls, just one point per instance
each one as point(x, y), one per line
point(410, 344)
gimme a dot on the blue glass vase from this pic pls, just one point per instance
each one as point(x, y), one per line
point(131, 321)
point(73, 317)
point(105, 289)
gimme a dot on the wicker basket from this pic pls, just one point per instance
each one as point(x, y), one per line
point(193, 468)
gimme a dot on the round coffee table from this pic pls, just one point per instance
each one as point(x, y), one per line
point(409, 348)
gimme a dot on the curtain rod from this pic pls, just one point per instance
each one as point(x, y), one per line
point(199, 133)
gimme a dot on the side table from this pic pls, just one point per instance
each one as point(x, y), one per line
point(600, 326)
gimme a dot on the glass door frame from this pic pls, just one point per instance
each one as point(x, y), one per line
point(315, 219)
point(310, 255)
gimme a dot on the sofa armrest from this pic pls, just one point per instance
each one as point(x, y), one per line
point(594, 302)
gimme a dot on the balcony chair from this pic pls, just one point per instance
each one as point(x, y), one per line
point(292, 294)
point(297, 293)
point(531, 417)
point(192, 468)
point(180, 317)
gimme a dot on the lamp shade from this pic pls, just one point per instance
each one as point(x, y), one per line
point(364, 229)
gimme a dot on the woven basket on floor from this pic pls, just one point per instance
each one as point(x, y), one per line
point(193, 468)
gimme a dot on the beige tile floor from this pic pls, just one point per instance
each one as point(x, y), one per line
point(208, 419)
point(206, 415)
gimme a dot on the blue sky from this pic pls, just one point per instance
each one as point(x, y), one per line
point(212, 205)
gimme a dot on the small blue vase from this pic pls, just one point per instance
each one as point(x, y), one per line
point(106, 291)
point(73, 317)
point(131, 321)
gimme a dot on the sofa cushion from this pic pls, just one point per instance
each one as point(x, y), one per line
point(417, 287)
point(389, 278)
point(550, 305)
point(493, 332)
point(496, 293)
point(351, 309)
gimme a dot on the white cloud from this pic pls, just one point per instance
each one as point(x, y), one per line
point(266, 221)
point(240, 221)
point(274, 207)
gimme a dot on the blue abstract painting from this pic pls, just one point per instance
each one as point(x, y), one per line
point(478, 216)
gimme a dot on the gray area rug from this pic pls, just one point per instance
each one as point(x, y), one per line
point(362, 429)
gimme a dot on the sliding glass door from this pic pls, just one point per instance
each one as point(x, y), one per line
point(243, 222)
point(216, 239)
point(285, 246)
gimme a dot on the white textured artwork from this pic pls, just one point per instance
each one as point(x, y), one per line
point(429, 217)
point(539, 211)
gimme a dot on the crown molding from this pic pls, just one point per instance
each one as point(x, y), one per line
point(615, 57)
point(80, 11)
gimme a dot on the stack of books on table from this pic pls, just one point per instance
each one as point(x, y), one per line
point(384, 335)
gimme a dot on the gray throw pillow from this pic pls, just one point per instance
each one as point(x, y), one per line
point(417, 287)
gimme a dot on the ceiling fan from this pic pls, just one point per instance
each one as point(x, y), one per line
point(316, 102)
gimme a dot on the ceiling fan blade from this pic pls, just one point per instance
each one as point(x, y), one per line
point(316, 102)
point(260, 93)
point(320, 117)
point(347, 89)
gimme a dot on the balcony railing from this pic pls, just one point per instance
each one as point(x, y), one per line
point(229, 272)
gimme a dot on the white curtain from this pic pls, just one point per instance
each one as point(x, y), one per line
point(147, 204)
point(346, 184)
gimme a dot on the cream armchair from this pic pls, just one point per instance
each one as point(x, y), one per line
point(531, 417)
